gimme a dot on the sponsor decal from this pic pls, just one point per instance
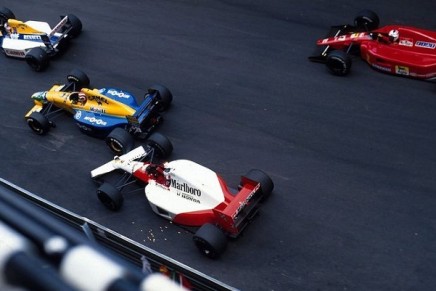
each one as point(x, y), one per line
point(406, 42)
point(188, 197)
point(185, 188)
point(31, 37)
point(99, 99)
point(381, 68)
point(97, 109)
point(14, 53)
point(325, 40)
point(356, 35)
point(118, 93)
point(424, 44)
point(242, 204)
point(340, 38)
point(58, 26)
point(402, 70)
point(95, 120)
point(78, 115)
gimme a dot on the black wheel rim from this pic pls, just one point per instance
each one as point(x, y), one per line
point(35, 126)
point(116, 146)
point(205, 247)
point(34, 64)
point(336, 66)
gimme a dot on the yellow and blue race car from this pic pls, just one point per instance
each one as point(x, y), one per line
point(36, 41)
point(109, 113)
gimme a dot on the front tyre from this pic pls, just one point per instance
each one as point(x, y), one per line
point(120, 141)
point(78, 78)
point(110, 196)
point(5, 14)
point(339, 63)
point(37, 59)
point(210, 240)
point(38, 123)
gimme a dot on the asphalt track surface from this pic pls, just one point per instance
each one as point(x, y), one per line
point(353, 159)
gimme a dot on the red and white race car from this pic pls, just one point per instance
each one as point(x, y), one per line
point(394, 49)
point(186, 193)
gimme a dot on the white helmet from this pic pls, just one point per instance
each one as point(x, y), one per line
point(394, 35)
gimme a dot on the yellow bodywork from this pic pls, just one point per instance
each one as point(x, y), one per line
point(18, 26)
point(93, 102)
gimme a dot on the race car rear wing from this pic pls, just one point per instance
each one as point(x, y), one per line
point(58, 26)
point(145, 107)
point(145, 117)
point(237, 214)
point(63, 26)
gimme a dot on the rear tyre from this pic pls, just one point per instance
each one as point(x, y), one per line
point(78, 78)
point(120, 141)
point(110, 196)
point(161, 144)
point(366, 20)
point(339, 63)
point(37, 59)
point(165, 96)
point(76, 26)
point(210, 240)
point(38, 123)
point(266, 183)
point(5, 14)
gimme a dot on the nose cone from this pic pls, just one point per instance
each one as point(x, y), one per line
point(39, 96)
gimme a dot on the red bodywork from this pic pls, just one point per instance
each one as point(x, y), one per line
point(226, 214)
point(413, 55)
point(232, 215)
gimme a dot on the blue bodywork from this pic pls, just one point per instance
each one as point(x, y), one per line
point(37, 38)
point(99, 124)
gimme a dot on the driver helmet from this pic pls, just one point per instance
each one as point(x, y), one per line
point(393, 35)
point(82, 97)
point(7, 27)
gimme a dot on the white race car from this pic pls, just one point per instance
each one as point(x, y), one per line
point(35, 41)
point(187, 193)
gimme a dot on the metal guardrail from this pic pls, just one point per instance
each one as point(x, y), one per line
point(141, 259)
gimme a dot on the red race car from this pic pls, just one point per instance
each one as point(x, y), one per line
point(395, 49)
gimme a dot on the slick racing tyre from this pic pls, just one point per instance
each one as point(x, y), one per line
point(210, 240)
point(38, 123)
point(161, 144)
point(266, 183)
point(120, 141)
point(338, 62)
point(366, 20)
point(76, 26)
point(78, 78)
point(110, 196)
point(165, 96)
point(37, 59)
point(5, 14)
